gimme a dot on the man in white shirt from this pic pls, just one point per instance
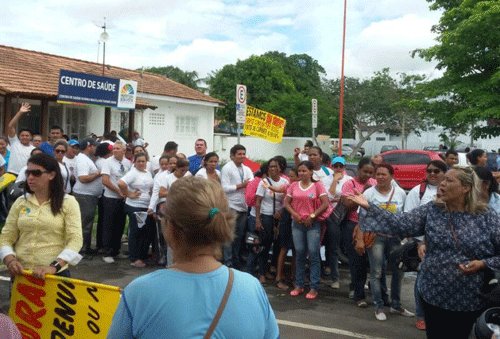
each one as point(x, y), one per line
point(20, 148)
point(70, 159)
point(234, 178)
point(114, 168)
point(87, 189)
point(170, 149)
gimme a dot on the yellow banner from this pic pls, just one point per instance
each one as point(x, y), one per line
point(61, 308)
point(264, 125)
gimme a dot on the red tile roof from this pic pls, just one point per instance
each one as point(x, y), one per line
point(32, 73)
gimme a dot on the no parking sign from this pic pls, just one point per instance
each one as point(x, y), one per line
point(241, 103)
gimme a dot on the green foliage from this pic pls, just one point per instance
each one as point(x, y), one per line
point(187, 78)
point(277, 83)
point(468, 52)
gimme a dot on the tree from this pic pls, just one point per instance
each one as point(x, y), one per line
point(467, 51)
point(281, 84)
point(188, 78)
point(379, 104)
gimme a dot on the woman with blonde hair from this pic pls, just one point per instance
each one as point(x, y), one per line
point(197, 295)
point(463, 240)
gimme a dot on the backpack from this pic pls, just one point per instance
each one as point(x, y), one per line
point(423, 187)
point(250, 191)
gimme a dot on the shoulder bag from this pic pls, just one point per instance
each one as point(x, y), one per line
point(317, 203)
point(222, 305)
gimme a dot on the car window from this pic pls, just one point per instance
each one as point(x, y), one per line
point(407, 159)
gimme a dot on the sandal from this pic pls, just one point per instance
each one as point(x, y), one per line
point(138, 263)
point(281, 285)
point(311, 296)
point(296, 292)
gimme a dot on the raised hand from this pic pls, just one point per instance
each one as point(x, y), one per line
point(25, 108)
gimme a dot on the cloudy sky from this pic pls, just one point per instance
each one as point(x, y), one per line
point(204, 35)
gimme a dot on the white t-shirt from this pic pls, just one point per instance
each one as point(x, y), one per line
point(396, 205)
point(326, 179)
point(19, 155)
point(22, 174)
point(266, 206)
point(338, 189)
point(85, 166)
point(66, 174)
point(231, 175)
point(139, 142)
point(155, 163)
point(202, 173)
point(159, 181)
point(116, 170)
point(142, 181)
point(71, 164)
point(413, 200)
point(303, 157)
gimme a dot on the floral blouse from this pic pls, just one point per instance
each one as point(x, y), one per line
point(441, 283)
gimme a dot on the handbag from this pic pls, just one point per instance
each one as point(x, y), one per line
point(405, 256)
point(339, 213)
point(491, 286)
point(317, 203)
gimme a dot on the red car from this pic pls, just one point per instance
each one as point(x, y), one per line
point(409, 165)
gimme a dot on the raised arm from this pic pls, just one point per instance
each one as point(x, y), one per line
point(25, 108)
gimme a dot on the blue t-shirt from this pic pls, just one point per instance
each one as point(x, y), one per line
point(195, 163)
point(174, 304)
point(47, 148)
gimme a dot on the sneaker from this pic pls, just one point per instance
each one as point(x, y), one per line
point(380, 315)
point(108, 260)
point(351, 294)
point(335, 285)
point(420, 324)
point(362, 304)
point(121, 256)
point(403, 312)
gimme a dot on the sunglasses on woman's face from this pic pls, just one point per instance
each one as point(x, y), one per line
point(338, 166)
point(60, 151)
point(35, 173)
point(433, 171)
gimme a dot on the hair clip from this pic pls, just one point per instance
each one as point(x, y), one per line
point(212, 212)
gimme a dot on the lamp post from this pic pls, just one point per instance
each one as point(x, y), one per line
point(104, 37)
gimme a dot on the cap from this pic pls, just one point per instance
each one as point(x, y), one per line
point(130, 146)
point(86, 142)
point(73, 142)
point(337, 160)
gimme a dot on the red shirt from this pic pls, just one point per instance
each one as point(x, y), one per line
point(350, 186)
point(303, 200)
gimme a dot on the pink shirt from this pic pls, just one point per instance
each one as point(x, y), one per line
point(303, 200)
point(349, 187)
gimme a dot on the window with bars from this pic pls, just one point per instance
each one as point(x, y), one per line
point(157, 119)
point(186, 125)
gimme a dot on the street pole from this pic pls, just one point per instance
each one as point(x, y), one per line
point(239, 126)
point(341, 113)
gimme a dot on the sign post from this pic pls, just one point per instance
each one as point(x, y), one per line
point(314, 116)
point(241, 106)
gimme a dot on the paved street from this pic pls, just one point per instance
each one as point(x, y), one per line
point(332, 315)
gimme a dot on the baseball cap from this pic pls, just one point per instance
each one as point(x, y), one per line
point(73, 142)
point(337, 160)
point(86, 142)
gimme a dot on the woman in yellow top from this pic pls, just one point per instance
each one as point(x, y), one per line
point(43, 230)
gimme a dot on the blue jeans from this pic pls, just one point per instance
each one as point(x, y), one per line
point(306, 241)
point(419, 302)
point(232, 256)
point(378, 254)
point(266, 236)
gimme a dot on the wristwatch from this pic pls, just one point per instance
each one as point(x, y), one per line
point(312, 215)
point(56, 264)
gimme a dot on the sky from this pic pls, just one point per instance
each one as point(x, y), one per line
point(205, 35)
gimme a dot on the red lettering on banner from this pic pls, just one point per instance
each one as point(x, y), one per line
point(269, 119)
point(31, 293)
point(278, 122)
point(35, 281)
point(27, 332)
point(24, 311)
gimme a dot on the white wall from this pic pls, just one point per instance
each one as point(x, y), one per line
point(157, 134)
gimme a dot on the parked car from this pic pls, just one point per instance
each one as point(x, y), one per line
point(409, 165)
point(360, 150)
point(386, 148)
point(347, 151)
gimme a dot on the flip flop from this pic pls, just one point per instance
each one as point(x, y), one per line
point(311, 296)
point(295, 293)
point(281, 285)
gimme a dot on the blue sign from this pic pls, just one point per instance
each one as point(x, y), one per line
point(96, 90)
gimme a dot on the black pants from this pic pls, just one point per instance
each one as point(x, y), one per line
point(441, 323)
point(358, 264)
point(139, 238)
point(100, 223)
point(113, 225)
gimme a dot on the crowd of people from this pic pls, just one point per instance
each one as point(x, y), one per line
point(181, 213)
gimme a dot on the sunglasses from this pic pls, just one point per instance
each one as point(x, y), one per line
point(338, 166)
point(60, 151)
point(433, 171)
point(35, 173)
